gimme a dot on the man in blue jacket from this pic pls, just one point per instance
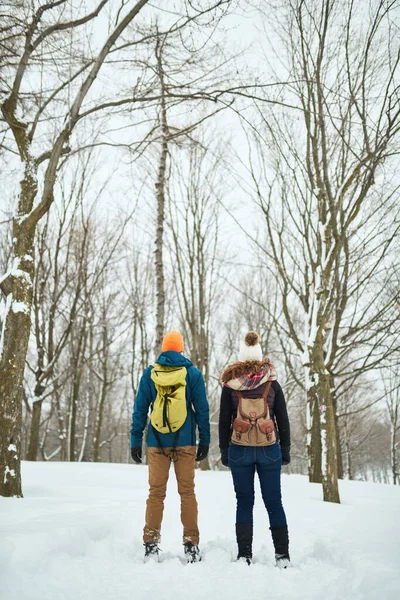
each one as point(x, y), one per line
point(177, 445)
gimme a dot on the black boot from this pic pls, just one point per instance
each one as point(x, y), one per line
point(192, 552)
point(244, 537)
point(151, 550)
point(280, 537)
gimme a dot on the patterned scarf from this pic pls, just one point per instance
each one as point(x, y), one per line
point(246, 376)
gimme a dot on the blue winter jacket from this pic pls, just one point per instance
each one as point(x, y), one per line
point(196, 400)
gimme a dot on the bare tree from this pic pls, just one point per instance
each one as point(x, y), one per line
point(140, 298)
point(58, 283)
point(195, 252)
point(44, 24)
point(110, 359)
point(328, 203)
point(183, 79)
point(41, 104)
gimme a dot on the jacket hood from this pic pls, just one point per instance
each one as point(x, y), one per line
point(248, 374)
point(170, 358)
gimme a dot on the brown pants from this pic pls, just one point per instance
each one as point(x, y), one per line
point(183, 460)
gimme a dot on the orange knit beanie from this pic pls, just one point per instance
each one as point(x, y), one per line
point(172, 341)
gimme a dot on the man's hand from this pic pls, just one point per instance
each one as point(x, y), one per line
point(202, 452)
point(136, 454)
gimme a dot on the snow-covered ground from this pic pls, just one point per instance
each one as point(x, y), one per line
point(77, 535)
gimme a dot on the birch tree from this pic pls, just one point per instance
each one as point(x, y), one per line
point(186, 76)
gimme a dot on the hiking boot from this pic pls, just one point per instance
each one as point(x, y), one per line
point(282, 561)
point(246, 559)
point(151, 550)
point(280, 538)
point(192, 552)
point(244, 537)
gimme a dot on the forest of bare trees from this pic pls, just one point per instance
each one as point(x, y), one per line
point(213, 167)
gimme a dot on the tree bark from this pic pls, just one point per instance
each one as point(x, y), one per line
point(17, 287)
point(103, 394)
point(393, 439)
point(34, 430)
point(160, 195)
point(314, 448)
point(340, 471)
point(78, 353)
point(62, 430)
point(322, 390)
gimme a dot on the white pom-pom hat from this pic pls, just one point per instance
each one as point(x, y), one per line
point(250, 348)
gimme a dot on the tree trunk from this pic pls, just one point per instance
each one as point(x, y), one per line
point(16, 329)
point(62, 430)
point(99, 423)
point(103, 394)
point(72, 416)
point(74, 408)
point(314, 448)
point(320, 379)
point(349, 464)
point(34, 430)
point(87, 452)
point(160, 194)
point(395, 474)
point(340, 472)
point(205, 464)
point(14, 338)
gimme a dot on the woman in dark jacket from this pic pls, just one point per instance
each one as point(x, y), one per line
point(254, 435)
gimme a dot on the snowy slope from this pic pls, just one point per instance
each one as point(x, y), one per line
point(77, 535)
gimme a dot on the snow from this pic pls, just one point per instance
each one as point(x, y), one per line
point(5, 307)
point(18, 307)
point(15, 271)
point(8, 471)
point(77, 535)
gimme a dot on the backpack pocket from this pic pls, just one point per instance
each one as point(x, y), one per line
point(266, 426)
point(241, 426)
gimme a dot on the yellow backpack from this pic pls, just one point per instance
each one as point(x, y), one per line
point(169, 408)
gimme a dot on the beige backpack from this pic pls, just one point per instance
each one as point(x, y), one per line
point(253, 425)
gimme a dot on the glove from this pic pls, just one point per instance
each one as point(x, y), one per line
point(285, 455)
point(136, 454)
point(224, 457)
point(202, 452)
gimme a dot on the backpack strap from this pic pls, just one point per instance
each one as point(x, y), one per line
point(172, 454)
point(165, 418)
point(160, 446)
point(266, 390)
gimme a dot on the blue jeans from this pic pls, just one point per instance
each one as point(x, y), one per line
point(267, 460)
